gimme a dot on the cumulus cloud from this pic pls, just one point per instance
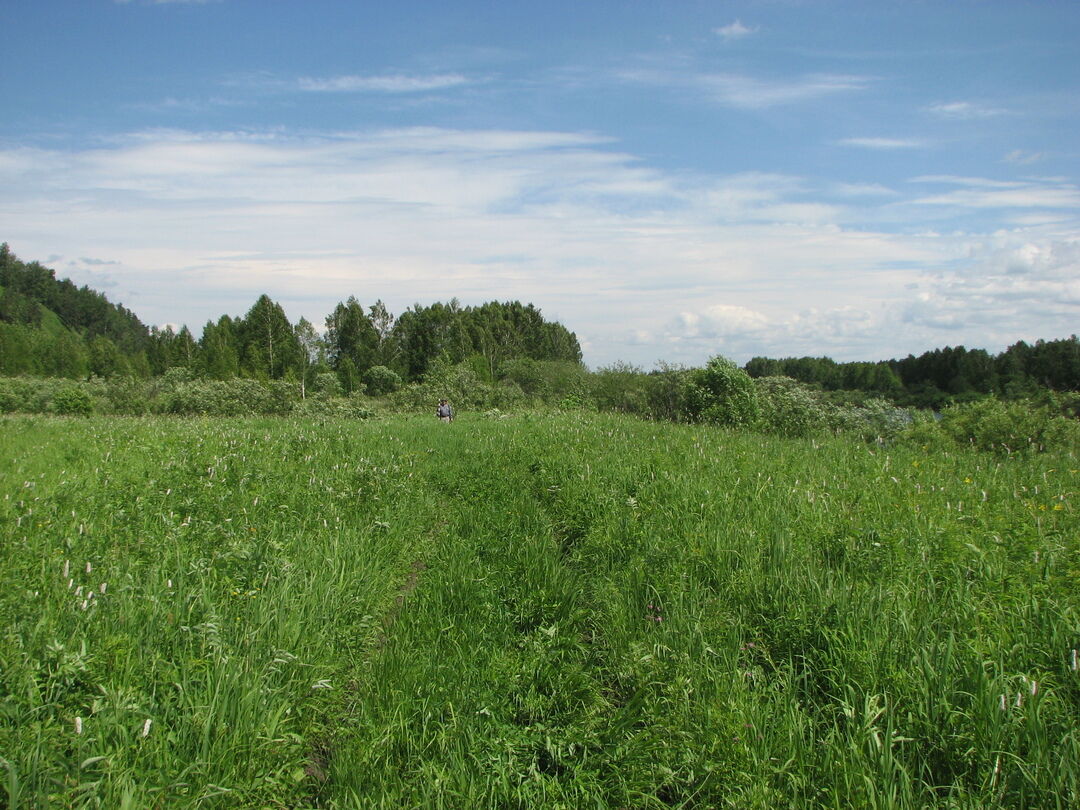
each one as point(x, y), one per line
point(642, 263)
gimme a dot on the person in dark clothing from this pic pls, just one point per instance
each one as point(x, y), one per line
point(444, 411)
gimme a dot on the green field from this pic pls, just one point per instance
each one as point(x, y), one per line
point(554, 610)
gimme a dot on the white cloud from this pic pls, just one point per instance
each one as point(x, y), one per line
point(391, 83)
point(1023, 158)
point(966, 110)
point(864, 190)
point(734, 30)
point(642, 263)
point(980, 193)
point(757, 93)
point(884, 143)
point(166, 2)
point(750, 92)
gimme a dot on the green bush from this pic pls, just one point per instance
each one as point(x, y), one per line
point(39, 395)
point(127, 396)
point(13, 395)
point(236, 397)
point(548, 381)
point(620, 387)
point(379, 380)
point(351, 407)
point(665, 390)
point(327, 385)
point(874, 419)
point(459, 384)
point(788, 407)
point(73, 402)
point(1009, 427)
point(721, 394)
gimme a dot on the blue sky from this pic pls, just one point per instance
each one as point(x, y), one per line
point(669, 180)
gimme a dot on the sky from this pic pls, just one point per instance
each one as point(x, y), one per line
point(669, 180)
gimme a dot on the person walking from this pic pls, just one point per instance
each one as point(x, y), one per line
point(444, 411)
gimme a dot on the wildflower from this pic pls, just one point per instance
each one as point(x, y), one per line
point(146, 727)
point(89, 568)
point(103, 586)
point(322, 683)
point(78, 725)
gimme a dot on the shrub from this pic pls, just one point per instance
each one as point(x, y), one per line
point(14, 394)
point(459, 384)
point(665, 390)
point(992, 424)
point(620, 387)
point(546, 380)
point(721, 394)
point(379, 380)
point(126, 395)
point(788, 407)
point(236, 397)
point(352, 407)
point(176, 376)
point(874, 419)
point(73, 401)
point(327, 385)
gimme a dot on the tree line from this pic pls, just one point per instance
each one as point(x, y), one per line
point(942, 376)
point(51, 327)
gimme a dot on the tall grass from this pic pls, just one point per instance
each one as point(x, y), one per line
point(537, 611)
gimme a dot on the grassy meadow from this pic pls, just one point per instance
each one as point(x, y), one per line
point(541, 611)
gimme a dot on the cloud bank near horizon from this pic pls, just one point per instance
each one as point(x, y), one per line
point(645, 264)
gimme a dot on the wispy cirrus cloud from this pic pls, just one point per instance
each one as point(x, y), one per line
point(1023, 158)
point(979, 193)
point(166, 2)
point(751, 92)
point(757, 93)
point(884, 143)
point(966, 110)
point(385, 83)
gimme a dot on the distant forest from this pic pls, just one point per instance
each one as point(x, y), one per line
point(50, 327)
